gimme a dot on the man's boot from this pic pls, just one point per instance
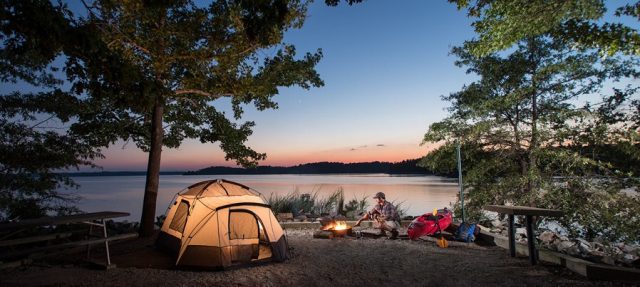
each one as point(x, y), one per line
point(394, 234)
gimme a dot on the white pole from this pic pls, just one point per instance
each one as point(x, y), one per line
point(460, 180)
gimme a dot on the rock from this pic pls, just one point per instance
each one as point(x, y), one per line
point(564, 246)
point(547, 237)
point(608, 260)
point(496, 230)
point(521, 231)
point(325, 220)
point(323, 234)
point(564, 238)
point(595, 256)
point(628, 259)
point(630, 249)
point(553, 245)
point(597, 246)
point(574, 250)
point(584, 246)
point(301, 218)
point(496, 223)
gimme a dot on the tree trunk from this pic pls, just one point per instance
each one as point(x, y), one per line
point(153, 171)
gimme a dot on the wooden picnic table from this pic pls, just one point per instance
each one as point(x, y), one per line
point(529, 213)
point(93, 219)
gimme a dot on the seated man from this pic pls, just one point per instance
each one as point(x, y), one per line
point(384, 216)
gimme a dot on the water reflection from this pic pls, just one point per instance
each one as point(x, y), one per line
point(419, 194)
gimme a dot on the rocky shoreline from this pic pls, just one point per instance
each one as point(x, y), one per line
point(598, 251)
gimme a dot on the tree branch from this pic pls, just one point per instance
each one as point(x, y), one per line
point(200, 92)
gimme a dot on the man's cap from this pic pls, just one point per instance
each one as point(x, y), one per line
point(379, 195)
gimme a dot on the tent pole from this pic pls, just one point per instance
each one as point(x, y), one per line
point(460, 180)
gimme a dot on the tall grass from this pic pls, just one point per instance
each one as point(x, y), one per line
point(308, 203)
point(311, 204)
point(400, 208)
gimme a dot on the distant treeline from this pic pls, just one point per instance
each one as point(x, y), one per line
point(403, 167)
point(121, 173)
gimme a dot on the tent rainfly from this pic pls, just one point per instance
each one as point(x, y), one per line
point(219, 223)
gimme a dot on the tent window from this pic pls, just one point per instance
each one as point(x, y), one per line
point(243, 225)
point(180, 217)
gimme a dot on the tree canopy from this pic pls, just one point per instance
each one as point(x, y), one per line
point(527, 140)
point(502, 23)
point(149, 72)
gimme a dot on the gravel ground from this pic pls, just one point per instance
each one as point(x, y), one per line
point(315, 262)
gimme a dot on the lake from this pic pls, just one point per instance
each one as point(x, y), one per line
point(418, 194)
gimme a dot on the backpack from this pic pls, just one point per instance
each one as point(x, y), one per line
point(467, 232)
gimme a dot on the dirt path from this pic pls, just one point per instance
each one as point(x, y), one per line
point(322, 262)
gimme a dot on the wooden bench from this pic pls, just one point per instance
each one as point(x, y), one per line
point(529, 213)
point(93, 219)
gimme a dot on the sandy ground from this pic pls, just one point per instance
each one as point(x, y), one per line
point(315, 262)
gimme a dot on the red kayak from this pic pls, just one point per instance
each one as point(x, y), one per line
point(426, 224)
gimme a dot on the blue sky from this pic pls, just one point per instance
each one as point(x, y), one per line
point(385, 66)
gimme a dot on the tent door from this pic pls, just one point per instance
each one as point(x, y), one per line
point(247, 237)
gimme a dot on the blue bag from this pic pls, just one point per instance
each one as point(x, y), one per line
point(467, 232)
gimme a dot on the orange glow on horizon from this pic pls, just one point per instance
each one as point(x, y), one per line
point(202, 156)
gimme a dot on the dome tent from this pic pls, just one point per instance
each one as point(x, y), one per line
point(219, 223)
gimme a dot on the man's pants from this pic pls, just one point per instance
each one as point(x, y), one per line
point(387, 225)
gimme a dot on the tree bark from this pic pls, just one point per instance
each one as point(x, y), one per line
point(153, 170)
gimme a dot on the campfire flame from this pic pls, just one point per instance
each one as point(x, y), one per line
point(336, 225)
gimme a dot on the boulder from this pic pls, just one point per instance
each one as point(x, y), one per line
point(496, 223)
point(596, 256)
point(584, 246)
point(598, 246)
point(547, 237)
point(628, 259)
point(574, 250)
point(521, 231)
point(630, 249)
point(608, 260)
point(564, 246)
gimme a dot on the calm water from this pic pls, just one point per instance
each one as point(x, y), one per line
point(419, 194)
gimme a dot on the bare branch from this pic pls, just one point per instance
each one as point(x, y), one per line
point(41, 122)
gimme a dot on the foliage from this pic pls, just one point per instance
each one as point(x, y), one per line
point(357, 205)
point(150, 72)
point(524, 142)
point(503, 23)
point(400, 208)
point(32, 149)
point(306, 203)
point(30, 159)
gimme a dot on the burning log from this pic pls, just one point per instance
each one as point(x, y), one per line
point(337, 228)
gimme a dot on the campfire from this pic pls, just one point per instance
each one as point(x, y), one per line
point(337, 228)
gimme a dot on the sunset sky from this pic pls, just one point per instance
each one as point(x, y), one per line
point(385, 66)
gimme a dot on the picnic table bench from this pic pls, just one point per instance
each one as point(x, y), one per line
point(529, 213)
point(92, 219)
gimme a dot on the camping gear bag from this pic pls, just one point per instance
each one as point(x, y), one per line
point(467, 232)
